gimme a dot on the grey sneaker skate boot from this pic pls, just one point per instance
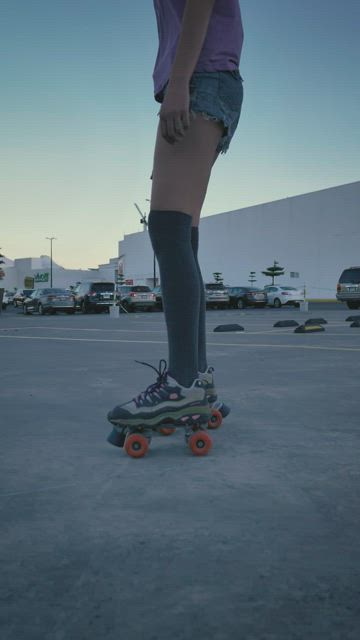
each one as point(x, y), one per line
point(164, 402)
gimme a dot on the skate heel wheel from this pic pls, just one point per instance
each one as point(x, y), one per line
point(215, 419)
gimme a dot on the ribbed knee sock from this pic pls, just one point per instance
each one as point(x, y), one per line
point(202, 361)
point(170, 235)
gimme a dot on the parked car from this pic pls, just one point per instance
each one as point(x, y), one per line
point(6, 300)
point(348, 287)
point(94, 296)
point(241, 297)
point(137, 296)
point(158, 294)
point(216, 295)
point(279, 296)
point(49, 300)
point(20, 296)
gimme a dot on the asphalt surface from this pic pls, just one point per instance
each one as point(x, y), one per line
point(259, 540)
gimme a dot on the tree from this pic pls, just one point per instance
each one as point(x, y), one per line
point(2, 272)
point(218, 277)
point(274, 271)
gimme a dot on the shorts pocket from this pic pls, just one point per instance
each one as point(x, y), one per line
point(231, 91)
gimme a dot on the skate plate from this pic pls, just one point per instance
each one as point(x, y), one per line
point(218, 411)
point(136, 440)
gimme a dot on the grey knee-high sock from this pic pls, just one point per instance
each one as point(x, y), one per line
point(170, 235)
point(202, 315)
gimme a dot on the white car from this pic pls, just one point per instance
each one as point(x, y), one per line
point(7, 299)
point(279, 296)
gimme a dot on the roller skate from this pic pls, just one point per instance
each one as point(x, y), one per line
point(163, 407)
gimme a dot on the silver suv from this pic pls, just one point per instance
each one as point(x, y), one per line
point(217, 295)
point(135, 297)
point(348, 287)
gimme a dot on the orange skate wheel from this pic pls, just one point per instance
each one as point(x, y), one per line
point(136, 445)
point(167, 431)
point(200, 443)
point(215, 420)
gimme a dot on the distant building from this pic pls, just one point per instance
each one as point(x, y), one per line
point(313, 236)
point(22, 272)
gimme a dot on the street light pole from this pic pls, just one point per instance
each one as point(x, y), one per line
point(51, 260)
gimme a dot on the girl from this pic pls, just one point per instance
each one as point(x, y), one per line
point(197, 81)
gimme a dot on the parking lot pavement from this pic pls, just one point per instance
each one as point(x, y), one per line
point(259, 540)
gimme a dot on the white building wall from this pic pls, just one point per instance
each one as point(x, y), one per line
point(138, 258)
point(316, 234)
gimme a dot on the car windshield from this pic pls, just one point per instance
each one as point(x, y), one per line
point(28, 292)
point(215, 287)
point(351, 275)
point(139, 288)
point(55, 291)
point(288, 288)
point(102, 287)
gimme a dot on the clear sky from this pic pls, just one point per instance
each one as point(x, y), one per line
point(78, 118)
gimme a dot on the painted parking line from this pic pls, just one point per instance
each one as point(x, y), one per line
point(273, 331)
point(209, 344)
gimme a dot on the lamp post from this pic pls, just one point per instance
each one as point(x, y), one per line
point(51, 260)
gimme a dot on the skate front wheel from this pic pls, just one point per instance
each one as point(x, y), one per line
point(167, 431)
point(136, 445)
point(215, 420)
point(200, 443)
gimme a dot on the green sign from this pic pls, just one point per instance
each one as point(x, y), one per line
point(41, 277)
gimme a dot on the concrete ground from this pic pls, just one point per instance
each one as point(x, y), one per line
point(259, 540)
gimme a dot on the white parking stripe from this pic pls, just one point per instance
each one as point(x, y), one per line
point(209, 344)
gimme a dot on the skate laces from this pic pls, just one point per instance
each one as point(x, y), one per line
point(152, 388)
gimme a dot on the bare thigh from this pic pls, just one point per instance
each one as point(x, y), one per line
point(181, 171)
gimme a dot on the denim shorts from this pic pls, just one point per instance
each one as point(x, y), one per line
point(217, 95)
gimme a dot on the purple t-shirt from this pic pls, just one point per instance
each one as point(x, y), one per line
point(222, 46)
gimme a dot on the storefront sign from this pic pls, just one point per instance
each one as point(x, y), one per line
point(28, 282)
point(41, 276)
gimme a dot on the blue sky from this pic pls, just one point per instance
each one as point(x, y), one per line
point(78, 118)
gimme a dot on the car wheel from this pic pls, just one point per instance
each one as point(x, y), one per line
point(353, 305)
point(277, 303)
point(41, 309)
point(70, 312)
point(240, 303)
point(83, 307)
point(25, 311)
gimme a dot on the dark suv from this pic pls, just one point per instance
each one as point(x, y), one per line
point(241, 297)
point(348, 287)
point(94, 296)
point(137, 296)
